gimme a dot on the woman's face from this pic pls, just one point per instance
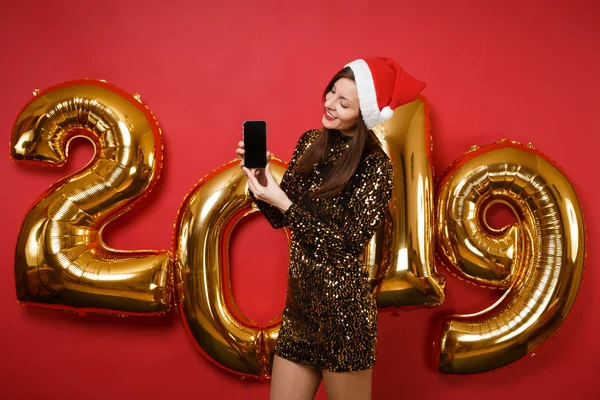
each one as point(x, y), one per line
point(341, 107)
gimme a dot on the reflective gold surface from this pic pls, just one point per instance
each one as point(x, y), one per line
point(61, 261)
point(539, 260)
point(401, 254)
point(201, 241)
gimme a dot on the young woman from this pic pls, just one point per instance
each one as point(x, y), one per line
point(332, 197)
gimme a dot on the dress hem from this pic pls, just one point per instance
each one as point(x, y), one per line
point(317, 365)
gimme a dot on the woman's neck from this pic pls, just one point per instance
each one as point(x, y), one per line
point(349, 132)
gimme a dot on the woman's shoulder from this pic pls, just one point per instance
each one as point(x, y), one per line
point(306, 139)
point(376, 157)
point(310, 136)
point(376, 168)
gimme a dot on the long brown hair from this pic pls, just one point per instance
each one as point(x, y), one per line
point(348, 161)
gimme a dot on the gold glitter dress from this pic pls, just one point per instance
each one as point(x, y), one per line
point(330, 316)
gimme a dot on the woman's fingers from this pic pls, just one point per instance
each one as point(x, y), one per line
point(268, 174)
point(251, 179)
point(253, 171)
point(250, 176)
point(240, 151)
point(261, 178)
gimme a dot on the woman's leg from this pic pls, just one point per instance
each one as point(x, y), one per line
point(293, 381)
point(348, 385)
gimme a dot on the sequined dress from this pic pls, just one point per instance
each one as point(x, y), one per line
point(330, 316)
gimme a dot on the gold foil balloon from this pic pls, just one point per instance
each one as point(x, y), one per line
point(61, 261)
point(401, 254)
point(539, 260)
point(201, 240)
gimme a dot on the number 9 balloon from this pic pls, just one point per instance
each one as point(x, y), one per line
point(539, 260)
point(61, 261)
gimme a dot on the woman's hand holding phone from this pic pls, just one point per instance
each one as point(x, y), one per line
point(262, 184)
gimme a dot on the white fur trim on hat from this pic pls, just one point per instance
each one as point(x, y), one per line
point(387, 113)
point(367, 97)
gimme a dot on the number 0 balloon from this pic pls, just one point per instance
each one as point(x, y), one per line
point(201, 240)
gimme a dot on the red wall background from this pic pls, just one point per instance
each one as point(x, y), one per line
point(525, 70)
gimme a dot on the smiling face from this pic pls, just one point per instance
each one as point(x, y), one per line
point(341, 107)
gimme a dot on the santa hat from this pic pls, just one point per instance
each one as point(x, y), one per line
point(382, 86)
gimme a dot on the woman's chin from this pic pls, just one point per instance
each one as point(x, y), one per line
point(327, 124)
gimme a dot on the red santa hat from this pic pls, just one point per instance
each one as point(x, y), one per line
point(382, 86)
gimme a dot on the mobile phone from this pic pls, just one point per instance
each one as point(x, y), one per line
point(255, 144)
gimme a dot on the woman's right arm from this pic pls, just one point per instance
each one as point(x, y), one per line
point(275, 217)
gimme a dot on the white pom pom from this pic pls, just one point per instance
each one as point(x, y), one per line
point(386, 113)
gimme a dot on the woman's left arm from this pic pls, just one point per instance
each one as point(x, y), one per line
point(370, 199)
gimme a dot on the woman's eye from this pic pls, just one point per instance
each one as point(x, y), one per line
point(343, 106)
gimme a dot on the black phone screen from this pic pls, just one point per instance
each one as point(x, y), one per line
point(255, 144)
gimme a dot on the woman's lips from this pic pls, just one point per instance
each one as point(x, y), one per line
point(329, 117)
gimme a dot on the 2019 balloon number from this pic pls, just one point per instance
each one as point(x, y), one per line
point(62, 263)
